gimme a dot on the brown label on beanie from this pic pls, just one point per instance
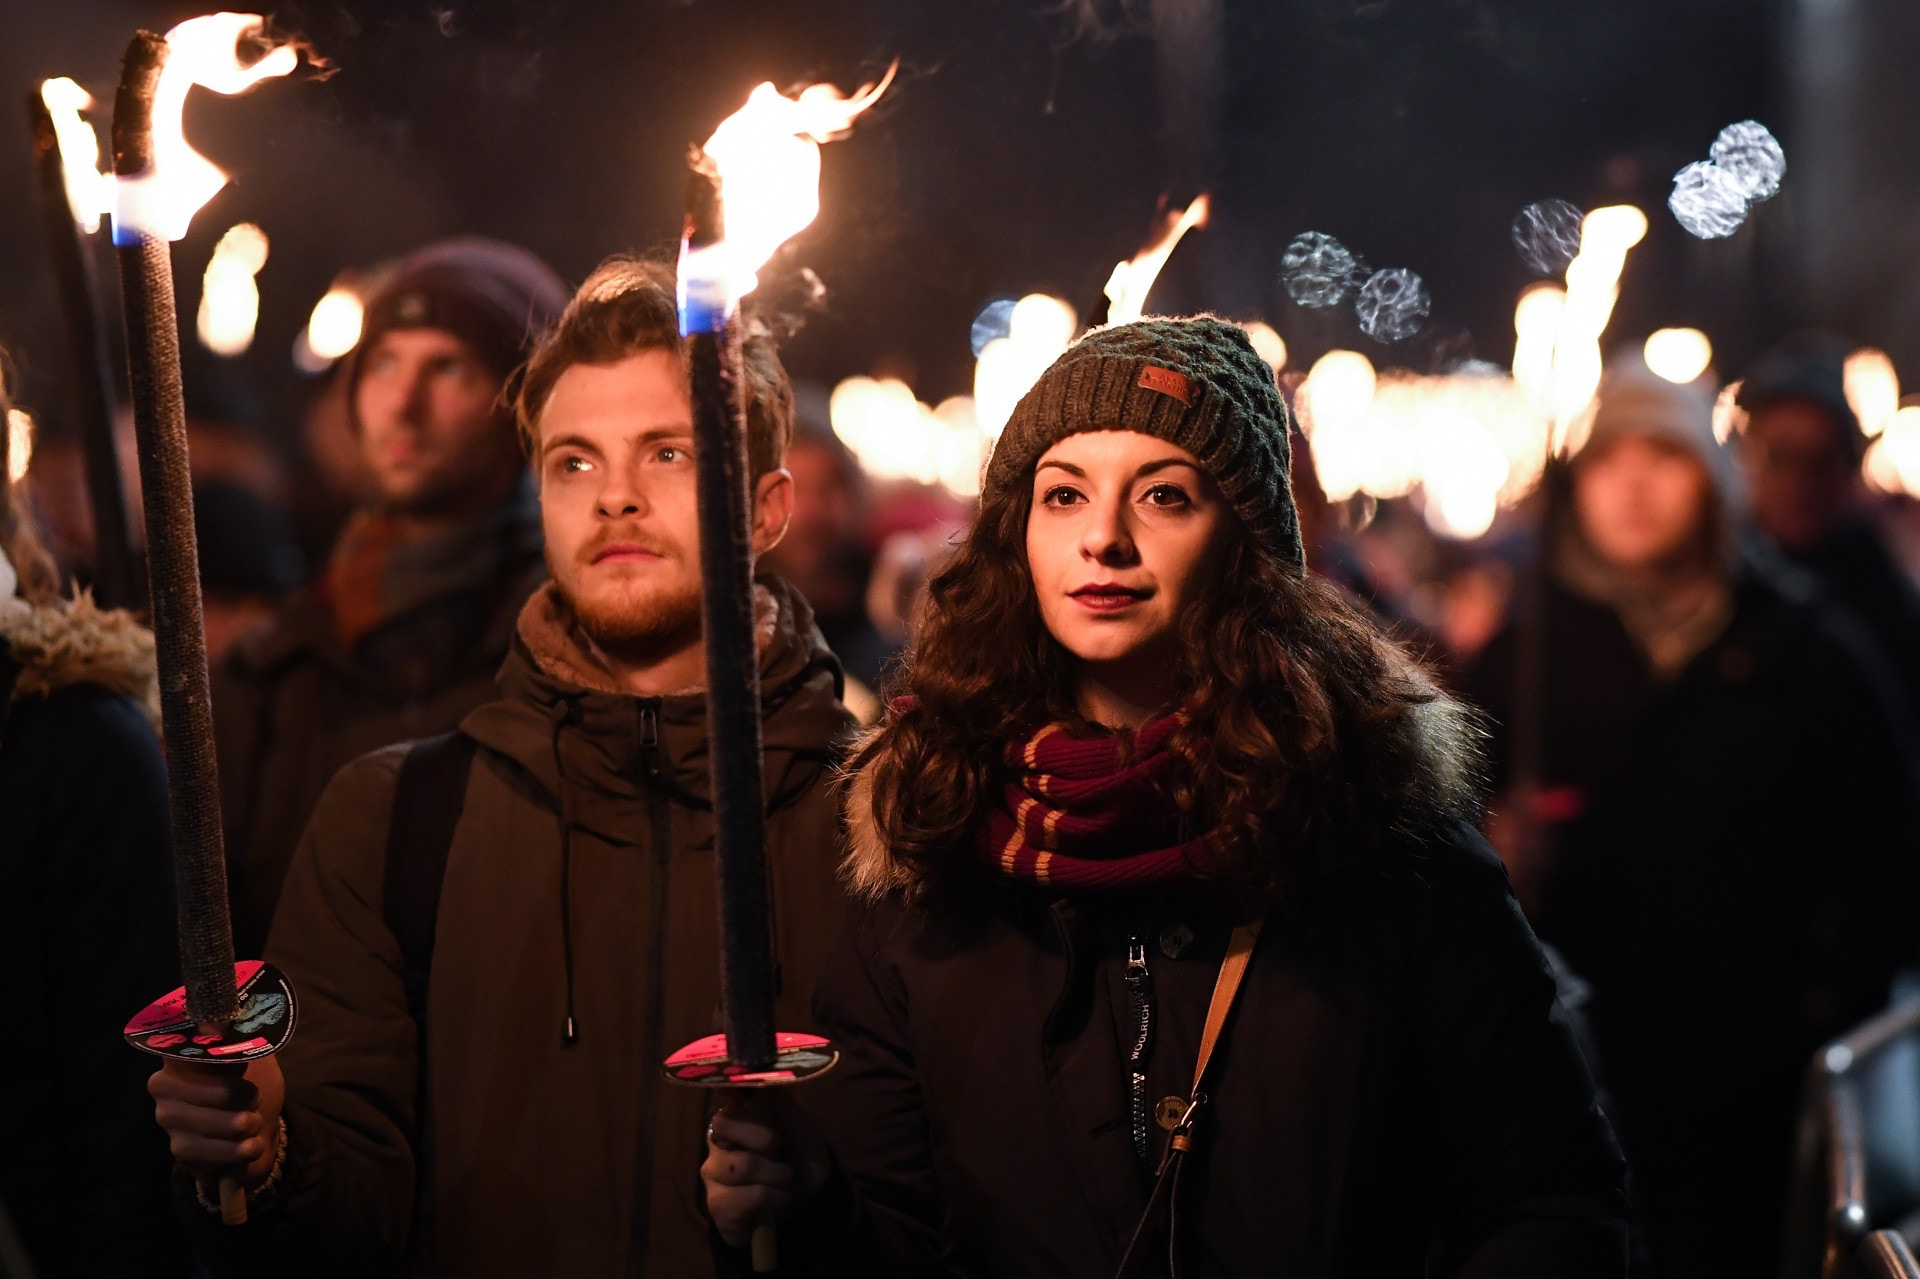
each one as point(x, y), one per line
point(1167, 382)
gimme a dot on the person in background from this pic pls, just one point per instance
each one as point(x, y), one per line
point(86, 921)
point(413, 613)
point(249, 562)
point(1717, 829)
point(1801, 452)
point(825, 555)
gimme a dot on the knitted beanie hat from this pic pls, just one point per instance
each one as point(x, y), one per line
point(1196, 383)
point(497, 298)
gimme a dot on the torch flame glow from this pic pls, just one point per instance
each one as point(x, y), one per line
point(1128, 286)
point(334, 327)
point(19, 444)
point(89, 191)
point(229, 298)
point(161, 201)
point(1872, 389)
point(766, 156)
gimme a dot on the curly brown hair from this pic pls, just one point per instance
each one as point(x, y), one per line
point(628, 306)
point(1312, 741)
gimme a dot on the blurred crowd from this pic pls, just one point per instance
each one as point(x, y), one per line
point(1699, 663)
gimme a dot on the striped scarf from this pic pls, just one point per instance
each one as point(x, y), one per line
point(1084, 812)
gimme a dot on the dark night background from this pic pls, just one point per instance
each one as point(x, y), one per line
point(1024, 146)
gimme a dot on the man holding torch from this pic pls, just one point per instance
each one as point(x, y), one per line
point(550, 867)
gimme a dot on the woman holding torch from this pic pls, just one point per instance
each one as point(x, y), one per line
point(1177, 952)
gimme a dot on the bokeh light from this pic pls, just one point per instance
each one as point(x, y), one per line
point(1752, 157)
point(1392, 305)
point(1547, 235)
point(19, 444)
point(1678, 355)
point(1267, 344)
point(1317, 270)
point(1873, 389)
point(229, 298)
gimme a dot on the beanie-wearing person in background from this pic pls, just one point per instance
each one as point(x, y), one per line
point(1801, 452)
point(1723, 834)
point(1132, 729)
point(409, 621)
point(86, 921)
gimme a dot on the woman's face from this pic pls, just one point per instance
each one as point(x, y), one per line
point(1123, 536)
point(1642, 502)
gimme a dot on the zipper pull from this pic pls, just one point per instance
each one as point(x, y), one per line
point(1136, 960)
point(649, 727)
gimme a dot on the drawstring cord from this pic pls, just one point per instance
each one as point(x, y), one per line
point(563, 713)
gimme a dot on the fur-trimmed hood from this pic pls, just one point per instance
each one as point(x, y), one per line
point(1447, 735)
point(77, 642)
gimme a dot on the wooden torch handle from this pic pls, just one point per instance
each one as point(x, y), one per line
point(233, 1201)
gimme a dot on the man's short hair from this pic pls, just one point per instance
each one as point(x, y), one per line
point(626, 307)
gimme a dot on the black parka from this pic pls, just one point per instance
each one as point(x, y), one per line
point(1399, 1092)
point(1730, 859)
point(86, 940)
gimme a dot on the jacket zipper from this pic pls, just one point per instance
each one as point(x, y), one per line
point(1140, 1002)
point(660, 826)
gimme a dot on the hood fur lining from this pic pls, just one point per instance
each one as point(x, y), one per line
point(77, 642)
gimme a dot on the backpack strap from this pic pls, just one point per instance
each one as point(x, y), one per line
point(427, 801)
point(1159, 1216)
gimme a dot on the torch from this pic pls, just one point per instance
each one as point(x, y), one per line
point(755, 184)
point(73, 195)
point(1124, 299)
point(225, 1013)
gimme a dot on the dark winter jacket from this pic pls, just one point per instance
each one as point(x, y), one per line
point(1399, 1092)
point(293, 704)
point(532, 1156)
point(86, 941)
point(1855, 568)
point(1730, 861)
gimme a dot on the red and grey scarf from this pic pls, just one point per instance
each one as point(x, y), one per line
point(1086, 812)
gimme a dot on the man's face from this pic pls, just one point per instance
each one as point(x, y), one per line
point(1641, 501)
point(429, 427)
point(814, 555)
point(1800, 472)
point(617, 502)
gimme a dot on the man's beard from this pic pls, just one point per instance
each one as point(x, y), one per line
point(638, 622)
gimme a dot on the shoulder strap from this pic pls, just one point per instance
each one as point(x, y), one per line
point(1166, 1182)
point(427, 800)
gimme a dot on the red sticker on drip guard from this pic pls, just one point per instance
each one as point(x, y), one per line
point(263, 1023)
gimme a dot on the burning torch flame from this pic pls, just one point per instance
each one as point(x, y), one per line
point(229, 298)
point(766, 156)
point(89, 191)
point(161, 201)
point(1128, 286)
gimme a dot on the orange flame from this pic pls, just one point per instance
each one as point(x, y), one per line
point(1128, 286)
point(89, 191)
point(161, 201)
point(767, 158)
